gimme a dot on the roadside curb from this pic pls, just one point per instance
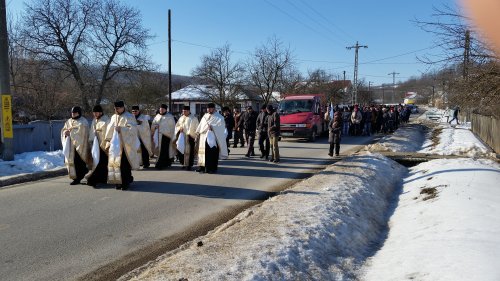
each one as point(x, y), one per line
point(21, 178)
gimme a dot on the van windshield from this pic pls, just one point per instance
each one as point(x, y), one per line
point(294, 106)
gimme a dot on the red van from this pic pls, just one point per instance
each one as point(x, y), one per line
point(302, 117)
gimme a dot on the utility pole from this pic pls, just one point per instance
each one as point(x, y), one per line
point(169, 64)
point(369, 93)
point(383, 94)
point(355, 87)
point(393, 85)
point(343, 87)
point(6, 129)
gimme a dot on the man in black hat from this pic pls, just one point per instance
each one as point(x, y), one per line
point(144, 131)
point(249, 119)
point(262, 129)
point(97, 136)
point(163, 130)
point(123, 155)
point(211, 125)
point(74, 136)
point(186, 125)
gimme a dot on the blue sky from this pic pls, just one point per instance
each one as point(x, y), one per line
point(317, 32)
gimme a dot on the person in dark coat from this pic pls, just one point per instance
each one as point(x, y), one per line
point(263, 136)
point(273, 131)
point(335, 131)
point(229, 119)
point(238, 129)
point(455, 115)
point(249, 120)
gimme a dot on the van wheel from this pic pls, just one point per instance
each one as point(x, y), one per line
point(313, 136)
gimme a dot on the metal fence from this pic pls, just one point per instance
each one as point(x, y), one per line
point(38, 136)
point(486, 127)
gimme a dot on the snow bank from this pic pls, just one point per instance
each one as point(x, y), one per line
point(452, 236)
point(407, 138)
point(30, 162)
point(459, 140)
point(322, 229)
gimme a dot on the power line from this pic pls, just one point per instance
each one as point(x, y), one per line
point(326, 19)
point(292, 17)
point(346, 64)
point(313, 19)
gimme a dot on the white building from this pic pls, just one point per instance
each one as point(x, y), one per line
point(195, 96)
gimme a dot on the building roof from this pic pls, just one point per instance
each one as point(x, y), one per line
point(196, 92)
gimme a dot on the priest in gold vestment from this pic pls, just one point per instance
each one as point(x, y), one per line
point(124, 147)
point(144, 131)
point(99, 172)
point(164, 124)
point(208, 157)
point(187, 125)
point(77, 152)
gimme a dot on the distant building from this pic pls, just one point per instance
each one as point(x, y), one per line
point(195, 96)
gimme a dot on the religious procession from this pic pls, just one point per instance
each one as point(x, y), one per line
point(107, 150)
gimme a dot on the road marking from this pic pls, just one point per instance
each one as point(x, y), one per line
point(4, 226)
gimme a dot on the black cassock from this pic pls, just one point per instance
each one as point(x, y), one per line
point(211, 158)
point(100, 174)
point(80, 167)
point(164, 159)
point(191, 141)
point(144, 155)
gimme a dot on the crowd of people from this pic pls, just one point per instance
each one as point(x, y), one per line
point(367, 120)
point(107, 150)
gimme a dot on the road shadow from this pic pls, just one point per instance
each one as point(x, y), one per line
point(200, 190)
point(256, 162)
point(269, 173)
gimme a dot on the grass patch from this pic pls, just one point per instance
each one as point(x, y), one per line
point(435, 136)
point(429, 193)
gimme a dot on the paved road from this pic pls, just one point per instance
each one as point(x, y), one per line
point(50, 230)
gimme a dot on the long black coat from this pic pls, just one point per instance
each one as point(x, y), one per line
point(335, 128)
point(229, 125)
point(249, 120)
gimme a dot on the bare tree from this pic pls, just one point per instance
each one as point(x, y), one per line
point(471, 70)
point(321, 82)
point(41, 93)
point(219, 72)
point(92, 40)
point(118, 41)
point(146, 88)
point(268, 67)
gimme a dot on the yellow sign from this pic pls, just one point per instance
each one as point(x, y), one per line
point(7, 129)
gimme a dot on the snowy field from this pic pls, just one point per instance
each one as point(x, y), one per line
point(363, 218)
